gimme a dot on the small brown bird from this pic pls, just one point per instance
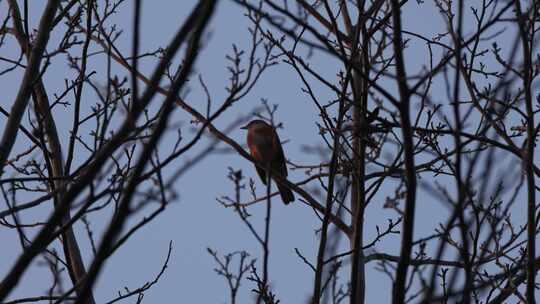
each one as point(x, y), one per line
point(265, 147)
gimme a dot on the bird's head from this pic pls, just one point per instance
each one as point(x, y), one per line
point(255, 124)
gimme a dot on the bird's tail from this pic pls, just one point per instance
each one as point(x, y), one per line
point(287, 195)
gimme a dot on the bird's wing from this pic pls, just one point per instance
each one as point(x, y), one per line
point(279, 163)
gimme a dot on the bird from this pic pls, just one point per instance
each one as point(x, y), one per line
point(265, 147)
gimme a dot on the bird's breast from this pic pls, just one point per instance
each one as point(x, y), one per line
point(261, 146)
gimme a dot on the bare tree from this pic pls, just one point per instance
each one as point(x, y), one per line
point(429, 124)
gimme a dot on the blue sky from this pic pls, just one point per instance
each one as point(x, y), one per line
point(196, 220)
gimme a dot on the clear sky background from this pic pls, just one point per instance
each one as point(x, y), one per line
point(196, 220)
